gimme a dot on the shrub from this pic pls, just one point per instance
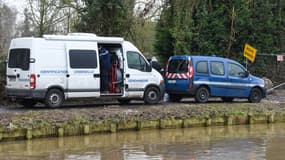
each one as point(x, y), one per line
point(2, 78)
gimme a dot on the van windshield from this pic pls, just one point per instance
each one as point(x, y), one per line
point(19, 58)
point(178, 66)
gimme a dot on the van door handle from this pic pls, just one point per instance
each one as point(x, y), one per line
point(67, 75)
point(128, 75)
point(96, 75)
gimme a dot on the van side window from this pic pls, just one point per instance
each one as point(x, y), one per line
point(136, 61)
point(19, 58)
point(217, 68)
point(235, 70)
point(202, 67)
point(83, 59)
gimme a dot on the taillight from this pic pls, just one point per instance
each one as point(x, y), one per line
point(190, 69)
point(33, 81)
point(166, 69)
point(190, 85)
point(191, 72)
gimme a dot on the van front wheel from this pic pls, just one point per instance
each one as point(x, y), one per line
point(152, 96)
point(202, 95)
point(255, 95)
point(54, 98)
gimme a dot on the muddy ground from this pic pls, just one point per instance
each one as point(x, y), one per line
point(16, 115)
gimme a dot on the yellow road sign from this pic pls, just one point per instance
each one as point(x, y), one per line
point(249, 52)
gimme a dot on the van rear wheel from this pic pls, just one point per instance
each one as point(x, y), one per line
point(255, 95)
point(202, 95)
point(152, 96)
point(54, 98)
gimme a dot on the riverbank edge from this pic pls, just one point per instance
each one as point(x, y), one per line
point(80, 125)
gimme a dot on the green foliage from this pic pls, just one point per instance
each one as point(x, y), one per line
point(107, 17)
point(2, 68)
point(117, 18)
point(2, 77)
point(220, 27)
point(143, 36)
point(164, 40)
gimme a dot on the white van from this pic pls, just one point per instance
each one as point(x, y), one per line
point(59, 67)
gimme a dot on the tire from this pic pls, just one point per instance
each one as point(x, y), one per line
point(124, 101)
point(152, 96)
point(54, 98)
point(28, 102)
point(174, 98)
point(202, 95)
point(255, 95)
point(227, 99)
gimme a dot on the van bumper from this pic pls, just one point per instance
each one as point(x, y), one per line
point(25, 93)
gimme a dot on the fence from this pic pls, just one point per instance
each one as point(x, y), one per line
point(266, 65)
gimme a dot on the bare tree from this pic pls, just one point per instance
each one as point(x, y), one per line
point(142, 30)
point(149, 9)
point(52, 16)
point(7, 26)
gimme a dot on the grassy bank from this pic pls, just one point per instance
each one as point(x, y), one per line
point(65, 122)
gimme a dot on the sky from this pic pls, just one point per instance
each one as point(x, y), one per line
point(19, 4)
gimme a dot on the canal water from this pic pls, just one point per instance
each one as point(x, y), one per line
point(254, 142)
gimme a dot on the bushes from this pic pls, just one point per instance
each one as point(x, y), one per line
point(2, 78)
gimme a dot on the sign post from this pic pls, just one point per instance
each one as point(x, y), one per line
point(249, 53)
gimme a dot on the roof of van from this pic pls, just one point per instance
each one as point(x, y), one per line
point(84, 37)
point(195, 57)
point(76, 37)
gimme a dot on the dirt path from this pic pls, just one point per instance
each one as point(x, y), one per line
point(278, 96)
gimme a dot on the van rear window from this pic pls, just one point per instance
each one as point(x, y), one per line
point(19, 58)
point(178, 66)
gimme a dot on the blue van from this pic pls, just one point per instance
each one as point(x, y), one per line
point(202, 77)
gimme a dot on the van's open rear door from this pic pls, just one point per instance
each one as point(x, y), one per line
point(179, 74)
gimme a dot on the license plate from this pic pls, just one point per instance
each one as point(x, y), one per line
point(12, 79)
point(171, 81)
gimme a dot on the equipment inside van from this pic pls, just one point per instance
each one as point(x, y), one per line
point(205, 76)
point(58, 67)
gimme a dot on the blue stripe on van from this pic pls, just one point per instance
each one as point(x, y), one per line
point(53, 71)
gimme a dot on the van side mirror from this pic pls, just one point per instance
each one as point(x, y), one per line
point(246, 74)
point(243, 74)
point(6, 60)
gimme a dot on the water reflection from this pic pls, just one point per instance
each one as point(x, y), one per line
point(234, 142)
